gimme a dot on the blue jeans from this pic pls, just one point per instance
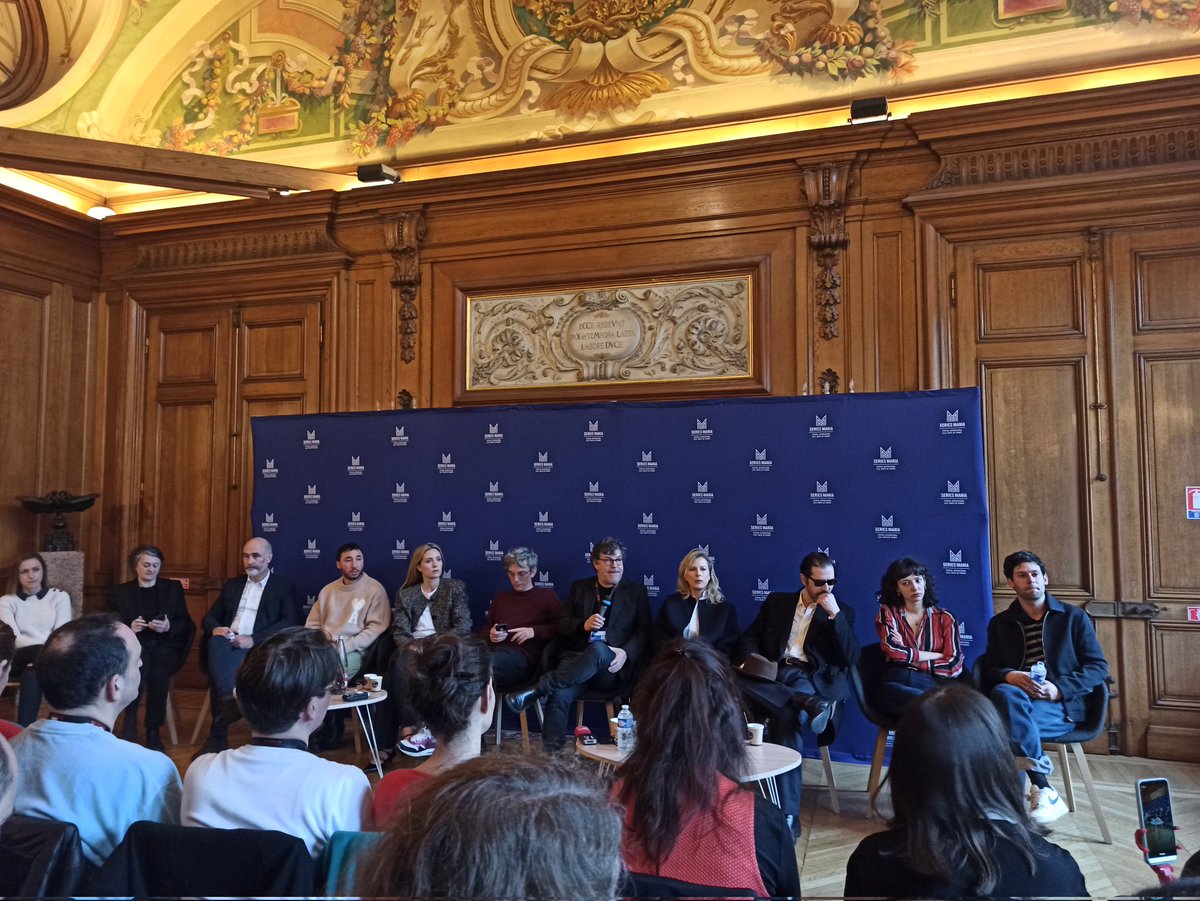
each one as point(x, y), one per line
point(1029, 722)
point(576, 672)
point(900, 686)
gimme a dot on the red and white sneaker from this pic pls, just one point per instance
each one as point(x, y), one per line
point(419, 744)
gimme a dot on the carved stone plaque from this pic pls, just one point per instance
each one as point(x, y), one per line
point(686, 330)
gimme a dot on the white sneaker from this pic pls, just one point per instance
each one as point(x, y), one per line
point(1045, 806)
point(419, 744)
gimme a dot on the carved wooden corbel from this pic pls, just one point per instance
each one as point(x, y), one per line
point(825, 186)
point(403, 235)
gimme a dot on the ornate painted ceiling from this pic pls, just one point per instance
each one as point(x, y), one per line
point(327, 84)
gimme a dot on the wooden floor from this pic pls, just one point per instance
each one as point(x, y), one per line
point(828, 838)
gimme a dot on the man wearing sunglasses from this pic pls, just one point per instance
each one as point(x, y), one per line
point(793, 661)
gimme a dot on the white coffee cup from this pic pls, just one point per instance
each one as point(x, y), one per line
point(756, 733)
point(374, 682)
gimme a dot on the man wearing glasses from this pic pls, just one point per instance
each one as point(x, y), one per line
point(604, 627)
point(520, 622)
point(794, 660)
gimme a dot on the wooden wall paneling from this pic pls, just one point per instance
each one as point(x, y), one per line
point(886, 345)
point(364, 340)
point(278, 373)
point(1037, 468)
point(21, 413)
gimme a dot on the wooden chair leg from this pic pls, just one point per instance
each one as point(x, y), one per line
point(356, 728)
point(205, 710)
point(876, 767)
point(578, 714)
point(834, 805)
point(1093, 796)
point(524, 730)
point(172, 728)
point(1064, 764)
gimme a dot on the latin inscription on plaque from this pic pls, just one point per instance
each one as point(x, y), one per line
point(685, 330)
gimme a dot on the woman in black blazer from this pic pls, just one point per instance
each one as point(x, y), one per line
point(698, 610)
point(156, 611)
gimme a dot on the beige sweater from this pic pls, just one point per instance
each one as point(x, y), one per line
point(358, 612)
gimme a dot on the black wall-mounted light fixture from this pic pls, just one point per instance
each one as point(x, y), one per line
point(378, 172)
point(869, 109)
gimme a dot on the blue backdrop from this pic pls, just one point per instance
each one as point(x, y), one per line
point(759, 482)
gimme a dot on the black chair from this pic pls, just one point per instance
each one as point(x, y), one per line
point(156, 860)
point(40, 858)
point(1095, 721)
point(865, 676)
point(643, 885)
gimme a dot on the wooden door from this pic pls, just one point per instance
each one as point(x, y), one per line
point(1087, 353)
point(1027, 333)
point(207, 372)
point(1154, 278)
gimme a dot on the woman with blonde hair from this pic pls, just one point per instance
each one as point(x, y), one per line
point(697, 610)
point(425, 605)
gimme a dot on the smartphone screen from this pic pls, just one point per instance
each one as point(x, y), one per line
point(1154, 807)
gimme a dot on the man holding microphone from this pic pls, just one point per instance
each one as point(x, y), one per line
point(604, 628)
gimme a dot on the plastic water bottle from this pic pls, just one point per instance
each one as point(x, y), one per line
point(1037, 672)
point(625, 729)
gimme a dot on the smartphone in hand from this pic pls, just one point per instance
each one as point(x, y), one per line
point(1155, 816)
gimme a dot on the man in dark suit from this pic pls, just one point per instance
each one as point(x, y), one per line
point(810, 638)
point(251, 609)
point(603, 630)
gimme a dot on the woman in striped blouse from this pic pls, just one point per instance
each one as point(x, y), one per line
point(918, 638)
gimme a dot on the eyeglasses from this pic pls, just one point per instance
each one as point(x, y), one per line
point(821, 583)
point(611, 561)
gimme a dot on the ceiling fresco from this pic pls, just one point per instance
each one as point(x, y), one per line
point(331, 83)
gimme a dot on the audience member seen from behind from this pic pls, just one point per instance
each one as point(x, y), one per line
point(529, 616)
point(8, 780)
point(72, 767)
point(919, 639)
point(425, 605)
point(687, 815)
point(155, 610)
point(962, 826)
point(502, 826)
point(697, 609)
point(8, 648)
point(32, 609)
point(450, 688)
point(274, 782)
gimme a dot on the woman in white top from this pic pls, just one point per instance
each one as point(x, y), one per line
point(426, 605)
point(32, 610)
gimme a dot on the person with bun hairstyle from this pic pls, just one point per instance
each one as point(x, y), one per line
point(919, 639)
point(962, 828)
point(687, 815)
point(450, 686)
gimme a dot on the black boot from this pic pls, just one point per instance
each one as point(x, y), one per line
point(520, 701)
point(818, 709)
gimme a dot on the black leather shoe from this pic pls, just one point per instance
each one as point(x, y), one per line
point(819, 711)
point(520, 701)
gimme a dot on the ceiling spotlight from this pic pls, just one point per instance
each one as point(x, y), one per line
point(378, 172)
point(101, 211)
point(869, 109)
